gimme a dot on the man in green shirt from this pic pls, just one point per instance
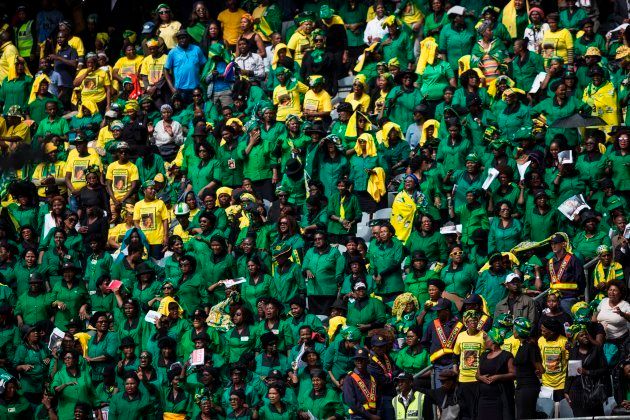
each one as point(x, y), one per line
point(323, 268)
point(34, 305)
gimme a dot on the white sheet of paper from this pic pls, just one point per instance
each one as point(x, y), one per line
point(197, 357)
point(522, 168)
point(233, 282)
point(545, 392)
point(626, 231)
point(565, 157)
point(152, 316)
point(492, 174)
point(537, 82)
point(573, 367)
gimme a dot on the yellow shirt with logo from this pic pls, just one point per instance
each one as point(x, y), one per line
point(179, 231)
point(288, 101)
point(298, 41)
point(44, 170)
point(76, 165)
point(362, 104)
point(127, 67)
point(93, 86)
point(121, 177)
point(153, 68)
point(118, 232)
point(317, 102)
point(469, 349)
point(511, 344)
point(554, 359)
point(150, 216)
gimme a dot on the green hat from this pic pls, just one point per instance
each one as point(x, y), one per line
point(127, 80)
point(251, 125)
point(315, 80)
point(523, 327)
point(582, 316)
point(304, 17)
point(116, 125)
point(470, 314)
point(504, 320)
point(522, 133)
point(351, 334)
point(281, 249)
point(325, 12)
point(148, 183)
point(499, 143)
point(473, 157)
point(496, 335)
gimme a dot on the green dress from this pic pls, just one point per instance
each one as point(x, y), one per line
point(524, 71)
point(74, 297)
point(400, 103)
point(106, 346)
point(471, 217)
point(236, 344)
point(138, 407)
point(96, 266)
point(368, 311)
point(250, 291)
point(503, 239)
point(269, 412)
point(620, 166)
point(490, 286)
point(456, 43)
point(33, 380)
point(192, 292)
point(459, 281)
point(34, 308)
point(550, 108)
point(587, 247)
point(400, 47)
point(327, 266)
point(286, 283)
point(351, 210)
point(537, 226)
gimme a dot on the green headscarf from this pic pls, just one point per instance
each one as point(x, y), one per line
point(496, 336)
point(523, 327)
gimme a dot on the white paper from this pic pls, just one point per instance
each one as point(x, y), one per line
point(537, 82)
point(152, 316)
point(565, 157)
point(573, 206)
point(105, 413)
point(311, 416)
point(626, 231)
point(298, 362)
point(492, 175)
point(197, 357)
point(573, 367)
point(233, 282)
point(448, 230)
point(55, 339)
point(545, 392)
point(522, 168)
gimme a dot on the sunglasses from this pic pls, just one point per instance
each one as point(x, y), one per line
point(164, 12)
point(456, 253)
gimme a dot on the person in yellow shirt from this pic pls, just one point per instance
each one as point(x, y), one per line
point(183, 227)
point(557, 42)
point(79, 159)
point(49, 173)
point(167, 26)
point(17, 132)
point(122, 176)
point(94, 83)
point(117, 233)
point(230, 19)
point(555, 356)
point(301, 41)
point(129, 65)
point(359, 99)
point(317, 102)
point(151, 216)
point(286, 96)
point(9, 53)
point(152, 70)
point(601, 96)
point(468, 346)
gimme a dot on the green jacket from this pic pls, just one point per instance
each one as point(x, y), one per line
point(68, 397)
point(287, 284)
point(327, 267)
point(368, 311)
point(385, 260)
point(352, 211)
point(459, 281)
point(417, 284)
point(471, 220)
point(322, 407)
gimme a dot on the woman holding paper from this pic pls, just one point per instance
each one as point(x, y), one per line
point(587, 368)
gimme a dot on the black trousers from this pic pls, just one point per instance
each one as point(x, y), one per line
point(526, 402)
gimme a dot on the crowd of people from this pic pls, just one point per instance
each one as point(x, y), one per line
point(315, 210)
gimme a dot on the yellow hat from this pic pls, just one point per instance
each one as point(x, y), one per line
point(622, 52)
point(50, 147)
point(593, 51)
point(234, 120)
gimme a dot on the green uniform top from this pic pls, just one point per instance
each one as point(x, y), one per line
point(192, 292)
point(286, 283)
point(33, 308)
point(461, 280)
point(358, 14)
point(587, 246)
point(239, 343)
point(591, 169)
point(322, 406)
point(106, 346)
point(16, 409)
point(359, 164)
point(136, 407)
point(620, 166)
point(502, 239)
point(73, 297)
point(338, 359)
point(571, 20)
point(352, 212)
point(385, 260)
point(471, 219)
point(416, 283)
point(456, 43)
point(400, 103)
point(550, 108)
point(257, 165)
point(68, 397)
point(539, 226)
point(327, 266)
point(524, 70)
point(490, 286)
point(367, 311)
point(15, 92)
point(435, 78)
point(269, 412)
point(32, 380)
point(251, 291)
point(400, 47)
point(452, 156)
point(230, 165)
point(96, 266)
point(408, 360)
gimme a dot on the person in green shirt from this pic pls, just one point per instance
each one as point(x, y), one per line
point(133, 402)
point(258, 164)
point(277, 407)
point(590, 237)
point(525, 66)
point(17, 89)
point(71, 299)
point(71, 384)
point(505, 231)
point(472, 215)
point(287, 281)
point(412, 357)
point(459, 276)
point(322, 402)
point(417, 281)
point(385, 260)
point(257, 282)
point(13, 405)
point(37, 107)
point(403, 99)
point(344, 212)
point(456, 39)
point(365, 313)
point(540, 220)
point(102, 347)
point(490, 283)
point(323, 268)
point(98, 263)
point(53, 124)
point(33, 305)
point(192, 290)
point(618, 161)
point(572, 16)
point(397, 44)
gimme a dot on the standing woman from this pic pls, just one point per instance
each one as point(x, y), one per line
point(94, 83)
point(403, 99)
point(618, 161)
point(363, 166)
point(102, 347)
point(257, 283)
point(191, 291)
point(496, 374)
point(199, 21)
point(557, 42)
point(167, 27)
point(72, 384)
point(250, 36)
point(241, 338)
point(31, 361)
point(528, 364)
point(613, 313)
point(458, 276)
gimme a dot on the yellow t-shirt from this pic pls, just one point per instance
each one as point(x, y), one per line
point(554, 359)
point(93, 86)
point(288, 102)
point(297, 41)
point(511, 344)
point(76, 166)
point(104, 136)
point(21, 130)
point(469, 349)
point(76, 43)
point(149, 216)
point(126, 67)
point(179, 231)
point(153, 68)
point(231, 25)
point(317, 102)
point(557, 43)
point(363, 104)
point(44, 170)
point(118, 232)
point(121, 176)
point(167, 33)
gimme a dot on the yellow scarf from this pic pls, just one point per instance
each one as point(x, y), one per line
point(370, 149)
point(383, 136)
point(429, 123)
point(223, 190)
point(512, 257)
point(335, 20)
point(89, 105)
point(342, 210)
point(509, 17)
point(492, 86)
point(428, 48)
point(361, 61)
point(35, 87)
point(12, 75)
point(403, 212)
point(351, 129)
point(163, 309)
point(274, 60)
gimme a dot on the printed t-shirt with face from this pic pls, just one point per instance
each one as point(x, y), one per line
point(469, 349)
point(511, 344)
point(121, 175)
point(93, 86)
point(150, 215)
point(153, 68)
point(77, 165)
point(127, 67)
point(554, 359)
point(317, 102)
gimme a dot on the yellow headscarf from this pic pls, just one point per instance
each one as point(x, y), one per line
point(12, 75)
point(89, 105)
point(376, 184)
point(492, 87)
point(510, 91)
point(35, 88)
point(163, 309)
point(428, 123)
point(223, 190)
point(274, 60)
point(512, 257)
point(389, 21)
point(351, 129)
point(400, 302)
point(370, 145)
point(361, 79)
point(428, 49)
point(103, 37)
point(363, 56)
point(383, 135)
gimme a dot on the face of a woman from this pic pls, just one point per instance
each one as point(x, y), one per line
point(237, 318)
point(30, 258)
point(131, 386)
point(271, 312)
point(252, 267)
point(201, 12)
point(553, 24)
point(411, 338)
point(457, 255)
point(216, 247)
point(504, 211)
point(283, 225)
point(318, 383)
point(623, 141)
point(614, 294)
point(213, 30)
point(434, 292)
point(59, 239)
point(552, 302)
